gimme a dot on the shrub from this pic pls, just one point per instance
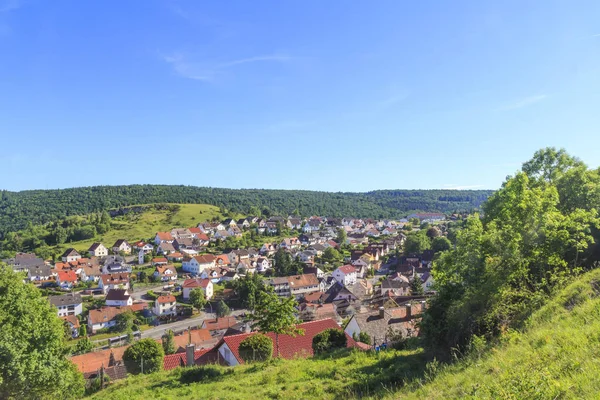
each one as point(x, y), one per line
point(256, 348)
point(328, 340)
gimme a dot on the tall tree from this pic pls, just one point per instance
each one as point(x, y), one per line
point(198, 299)
point(32, 347)
point(168, 342)
point(145, 356)
point(275, 314)
point(222, 309)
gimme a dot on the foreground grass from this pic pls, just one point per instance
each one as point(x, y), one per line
point(143, 226)
point(558, 356)
point(344, 374)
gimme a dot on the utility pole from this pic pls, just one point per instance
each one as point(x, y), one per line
point(142, 365)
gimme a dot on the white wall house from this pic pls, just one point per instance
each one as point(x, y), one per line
point(98, 250)
point(118, 298)
point(345, 275)
point(67, 304)
point(165, 306)
point(197, 264)
point(205, 284)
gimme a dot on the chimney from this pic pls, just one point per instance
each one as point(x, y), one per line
point(189, 354)
point(408, 311)
point(381, 312)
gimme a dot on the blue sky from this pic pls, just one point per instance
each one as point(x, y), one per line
point(324, 95)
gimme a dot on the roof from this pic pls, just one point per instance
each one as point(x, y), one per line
point(195, 282)
point(67, 276)
point(377, 327)
point(164, 235)
point(111, 279)
point(39, 270)
point(161, 269)
point(117, 295)
point(347, 269)
point(166, 246)
point(72, 320)
point(91, 362)
point(219, 323)
point(195, 230)
point(166, 299)
point(205, 258)
point(289, 346)
point(114, 372)
point(160, 260)
point(65, 299)
point(106, 314)
point(195, 336)
point(94, 246)
point(120, 242)
point(298, 281)
point(201, 357)
point(70, 252)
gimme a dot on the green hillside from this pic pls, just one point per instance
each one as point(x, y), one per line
point(555, 357)
point(144, 225)
point(17, 209)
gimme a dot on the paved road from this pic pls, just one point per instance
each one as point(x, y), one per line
point(158, 331)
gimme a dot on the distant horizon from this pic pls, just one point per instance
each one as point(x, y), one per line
point(249, 188)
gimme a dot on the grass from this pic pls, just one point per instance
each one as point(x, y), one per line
point(557, 356)
point(134, 227)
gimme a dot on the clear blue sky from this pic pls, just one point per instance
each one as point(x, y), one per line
point(325, 95)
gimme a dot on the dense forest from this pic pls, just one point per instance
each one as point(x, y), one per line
point(17, 209)
point(538, 232)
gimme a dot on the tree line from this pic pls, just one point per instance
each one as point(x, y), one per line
point(38, 207)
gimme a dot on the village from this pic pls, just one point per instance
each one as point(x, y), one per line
point(353, 274)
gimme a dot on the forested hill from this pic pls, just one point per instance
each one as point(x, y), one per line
point(41, 206)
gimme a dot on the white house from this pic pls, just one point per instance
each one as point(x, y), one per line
point(197, 264)
point(262, 264)
point(118, 298)
point(113, 281)
point(163, 237)
point(345, 275)
point(70, 255)
point(121, 246)
point(98, 250)
point(67, 304)
point(205, 284)
point(165, 273)
point(165, 306)
point(104, 317)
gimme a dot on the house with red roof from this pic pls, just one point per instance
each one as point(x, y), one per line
point(198, 357)
point(205, 284)
point(165, 306)
point(66, 279)
point(345, 275)
point(197, 264)
point(289, 346)
point(163, 237)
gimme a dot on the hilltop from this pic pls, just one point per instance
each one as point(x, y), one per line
point(17, 209)
point(553, 357)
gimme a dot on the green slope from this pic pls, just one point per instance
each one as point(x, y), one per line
point(556, 357)
point(144, 225)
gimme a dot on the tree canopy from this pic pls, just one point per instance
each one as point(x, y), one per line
point(32, 345)
point(145, 356)
point(257, 347)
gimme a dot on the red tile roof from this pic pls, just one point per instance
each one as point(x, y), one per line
point(159, 260)
point(205, 258)
point(201, 357)
point(347, 269)
point(194, 283)
point(195, 230)
point(289, 346)
point(166, 299)
point(91, 362)
point(67, 276)
point(164, 235)
point(115, 279)
point(219, 323)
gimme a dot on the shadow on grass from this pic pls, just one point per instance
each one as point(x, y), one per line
point(387, 375)
point(204, 374)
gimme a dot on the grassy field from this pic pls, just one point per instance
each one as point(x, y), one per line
point(134, 227)
point(556, 357)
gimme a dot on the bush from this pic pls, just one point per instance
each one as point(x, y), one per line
point(256, 348)
point(328, 340)
point(148, 351)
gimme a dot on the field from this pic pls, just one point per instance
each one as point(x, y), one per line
point(144, 226)
point(556, 357)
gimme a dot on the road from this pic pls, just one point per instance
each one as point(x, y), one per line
point(157, 331)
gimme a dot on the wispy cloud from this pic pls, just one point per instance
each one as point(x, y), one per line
point(451, 186)
point(209, 71)
point(523, 102)
point(9, 5)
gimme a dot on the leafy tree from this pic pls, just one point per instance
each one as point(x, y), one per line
point(416, 287)
point(440, 244)
point(433, 232)
point(331, 255)
point(32, 346)
point(417, 242)
point(82, 330)
point(415, 221)
point(248, 289)
point(83, 345)
point(255, 348)
point(222, 309)
point(364, 337)
point(168, 342)
point(275, 314)
point(198, 299)
point(124, 321)
point(282, 262)
point(329, 340)
point(143, 277)
point(342, 236)
point(145, 356)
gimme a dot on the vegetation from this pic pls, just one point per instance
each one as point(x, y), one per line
point(416, 287)
point(17, 209)
point(329, 340)
point(198, 299)
point(538, 231)
point(256, 348)
point(32, 345)
point(168, 342)
point(144, 356)
point(248, 289)
point(275, 314)
point(223, 309)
